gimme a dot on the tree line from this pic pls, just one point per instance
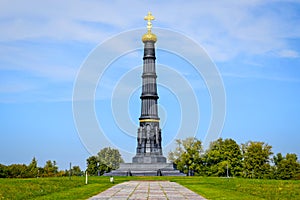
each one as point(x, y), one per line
point(227, 158)
point(224, 158)
point(106, 160)
point(32, 170)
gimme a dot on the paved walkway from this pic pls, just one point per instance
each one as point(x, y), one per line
point(158, 190)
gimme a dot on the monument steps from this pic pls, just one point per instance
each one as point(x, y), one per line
point(144, 169)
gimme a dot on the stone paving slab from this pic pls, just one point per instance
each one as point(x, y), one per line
point(150, 190)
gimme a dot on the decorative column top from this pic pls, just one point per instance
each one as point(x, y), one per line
point(149, 36)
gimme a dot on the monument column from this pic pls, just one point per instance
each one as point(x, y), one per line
point(149, 149)
point(149, 159)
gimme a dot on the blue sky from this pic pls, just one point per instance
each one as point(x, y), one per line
point(255, 46)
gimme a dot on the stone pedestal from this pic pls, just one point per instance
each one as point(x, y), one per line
point(144, 169)
point(149, 159)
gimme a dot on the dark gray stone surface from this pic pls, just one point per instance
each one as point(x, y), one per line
point(144, 169)
point(149, 149)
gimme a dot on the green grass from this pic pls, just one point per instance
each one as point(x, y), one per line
point(53, 188)
point(236, 188)
point(211, 188)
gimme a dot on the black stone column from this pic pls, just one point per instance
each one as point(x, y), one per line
point(149, 149)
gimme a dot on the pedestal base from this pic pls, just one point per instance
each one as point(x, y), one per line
point(149, 159)
point(144, 169)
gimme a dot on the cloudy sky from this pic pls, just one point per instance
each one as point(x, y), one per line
point(255, 46)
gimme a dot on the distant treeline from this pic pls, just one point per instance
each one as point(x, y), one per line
point(224, 158)
point(227, 158)
point(32, 170)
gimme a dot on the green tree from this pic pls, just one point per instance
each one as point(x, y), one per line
point(187, 155)
point(41, 172)
point(286, 167)
point(76, 171)
point(17, 171)
point(50, 169)
point(3, 171)
point(256, 158)
point(95, 167)
point(33, 168)
point(110, 157)
point(277, 159)
point(92, 165)
point(223, 156)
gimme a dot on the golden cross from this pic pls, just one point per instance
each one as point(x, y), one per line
point(149, 18)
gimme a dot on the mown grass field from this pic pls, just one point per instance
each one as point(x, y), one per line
point(211, 188)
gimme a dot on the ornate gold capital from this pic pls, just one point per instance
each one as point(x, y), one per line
point(149, 120)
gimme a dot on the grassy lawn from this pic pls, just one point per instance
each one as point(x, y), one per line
point(54, 188)
point(211, 188)
point(236, 188)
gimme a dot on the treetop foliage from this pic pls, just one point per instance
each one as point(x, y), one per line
point(106, 160)
point(110, 157)
point(227, 158)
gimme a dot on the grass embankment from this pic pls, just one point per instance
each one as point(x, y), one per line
point(211, 188)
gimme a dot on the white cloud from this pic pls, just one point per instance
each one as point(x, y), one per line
point(286, 53)
point(37, 62)
point(226, 29)
point(229, 29)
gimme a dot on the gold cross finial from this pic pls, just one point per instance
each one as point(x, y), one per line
point(149, 18)
point(149, 36)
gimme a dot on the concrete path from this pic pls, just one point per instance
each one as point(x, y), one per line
point(158, 190)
